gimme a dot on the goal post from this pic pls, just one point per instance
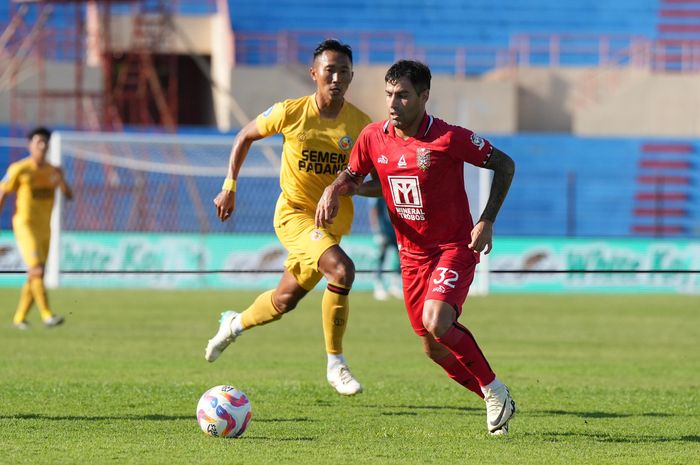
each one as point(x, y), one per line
point(478, 184)
point(53, 262)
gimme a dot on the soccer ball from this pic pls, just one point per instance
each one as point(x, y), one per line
point(224, 412)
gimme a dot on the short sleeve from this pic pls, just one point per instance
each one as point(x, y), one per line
point(10, 182)
point(469, 147)
point(271, 121)
point(361, 155)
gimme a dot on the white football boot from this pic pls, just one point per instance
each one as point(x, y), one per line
point(23, 325)
point(502, 431)
point(223, 337)
point(500, 407)
point(396, 292)
point(380, 292)
point(396, 287)
point(55, 320)
point(340, 377)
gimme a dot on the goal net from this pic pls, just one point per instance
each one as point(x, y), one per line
point(162, 183)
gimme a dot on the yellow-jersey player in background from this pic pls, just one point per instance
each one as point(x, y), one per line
point(34, 181)
point(319, 131)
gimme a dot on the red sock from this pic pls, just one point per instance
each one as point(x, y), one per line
point(463, 345)
point(457, 372)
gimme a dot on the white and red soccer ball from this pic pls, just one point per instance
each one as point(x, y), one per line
point(224, 412)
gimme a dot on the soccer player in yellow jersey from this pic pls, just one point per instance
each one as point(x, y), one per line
point(319, 131)
point(34, 181)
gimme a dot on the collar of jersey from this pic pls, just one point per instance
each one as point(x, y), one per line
point(317, 112)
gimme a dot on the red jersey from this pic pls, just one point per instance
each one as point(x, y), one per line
point(422, 179)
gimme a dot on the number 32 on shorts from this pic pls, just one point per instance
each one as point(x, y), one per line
point(447, 277)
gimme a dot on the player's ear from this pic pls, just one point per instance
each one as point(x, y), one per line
point(312, 73)
point(425, 95)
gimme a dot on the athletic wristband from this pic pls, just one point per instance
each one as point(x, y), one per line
point(229, 185)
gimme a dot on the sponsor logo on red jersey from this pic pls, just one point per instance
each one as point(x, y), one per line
point(405, 191)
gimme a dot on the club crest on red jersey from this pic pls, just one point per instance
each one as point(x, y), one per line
point(423, 158)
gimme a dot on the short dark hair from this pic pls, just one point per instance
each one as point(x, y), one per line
point(39, 131)
point(334, 45)
point(415, 71)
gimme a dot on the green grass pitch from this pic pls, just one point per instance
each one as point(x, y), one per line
point(598, 380)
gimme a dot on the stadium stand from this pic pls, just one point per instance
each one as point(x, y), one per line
point(678, 35)
point(574, 186)
point(480, 29)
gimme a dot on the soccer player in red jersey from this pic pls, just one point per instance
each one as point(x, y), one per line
point(419, 162)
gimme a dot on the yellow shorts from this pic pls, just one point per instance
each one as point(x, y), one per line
point(33, 245)
point(305, 242)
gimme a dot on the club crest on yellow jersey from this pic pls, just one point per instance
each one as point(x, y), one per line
point(345, 143)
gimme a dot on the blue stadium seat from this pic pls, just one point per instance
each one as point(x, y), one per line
point(452, 23)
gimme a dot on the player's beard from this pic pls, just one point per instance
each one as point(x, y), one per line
point(397, 122)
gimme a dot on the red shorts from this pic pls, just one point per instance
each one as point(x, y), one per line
point(444, 275)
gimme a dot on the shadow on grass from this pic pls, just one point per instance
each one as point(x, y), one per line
point(427, 407)
point(627, 439)
point(415, 410)
point(540, 413)
point(152, 417)
point(40, 416)
point(279, 420)
point(275, 438)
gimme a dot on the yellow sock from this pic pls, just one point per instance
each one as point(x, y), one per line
point(335, 306)
point(39, 294)
point(261, 312)
point(25, 303)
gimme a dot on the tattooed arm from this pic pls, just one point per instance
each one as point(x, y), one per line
point(503, 170)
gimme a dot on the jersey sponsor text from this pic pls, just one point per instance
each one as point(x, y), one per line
point(413, 214)
point(321, 162)
point(405, 191)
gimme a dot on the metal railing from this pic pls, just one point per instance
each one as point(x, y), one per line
point(532, 49)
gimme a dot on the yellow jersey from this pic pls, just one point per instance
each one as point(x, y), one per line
point(315, 149)
point(36, 188)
